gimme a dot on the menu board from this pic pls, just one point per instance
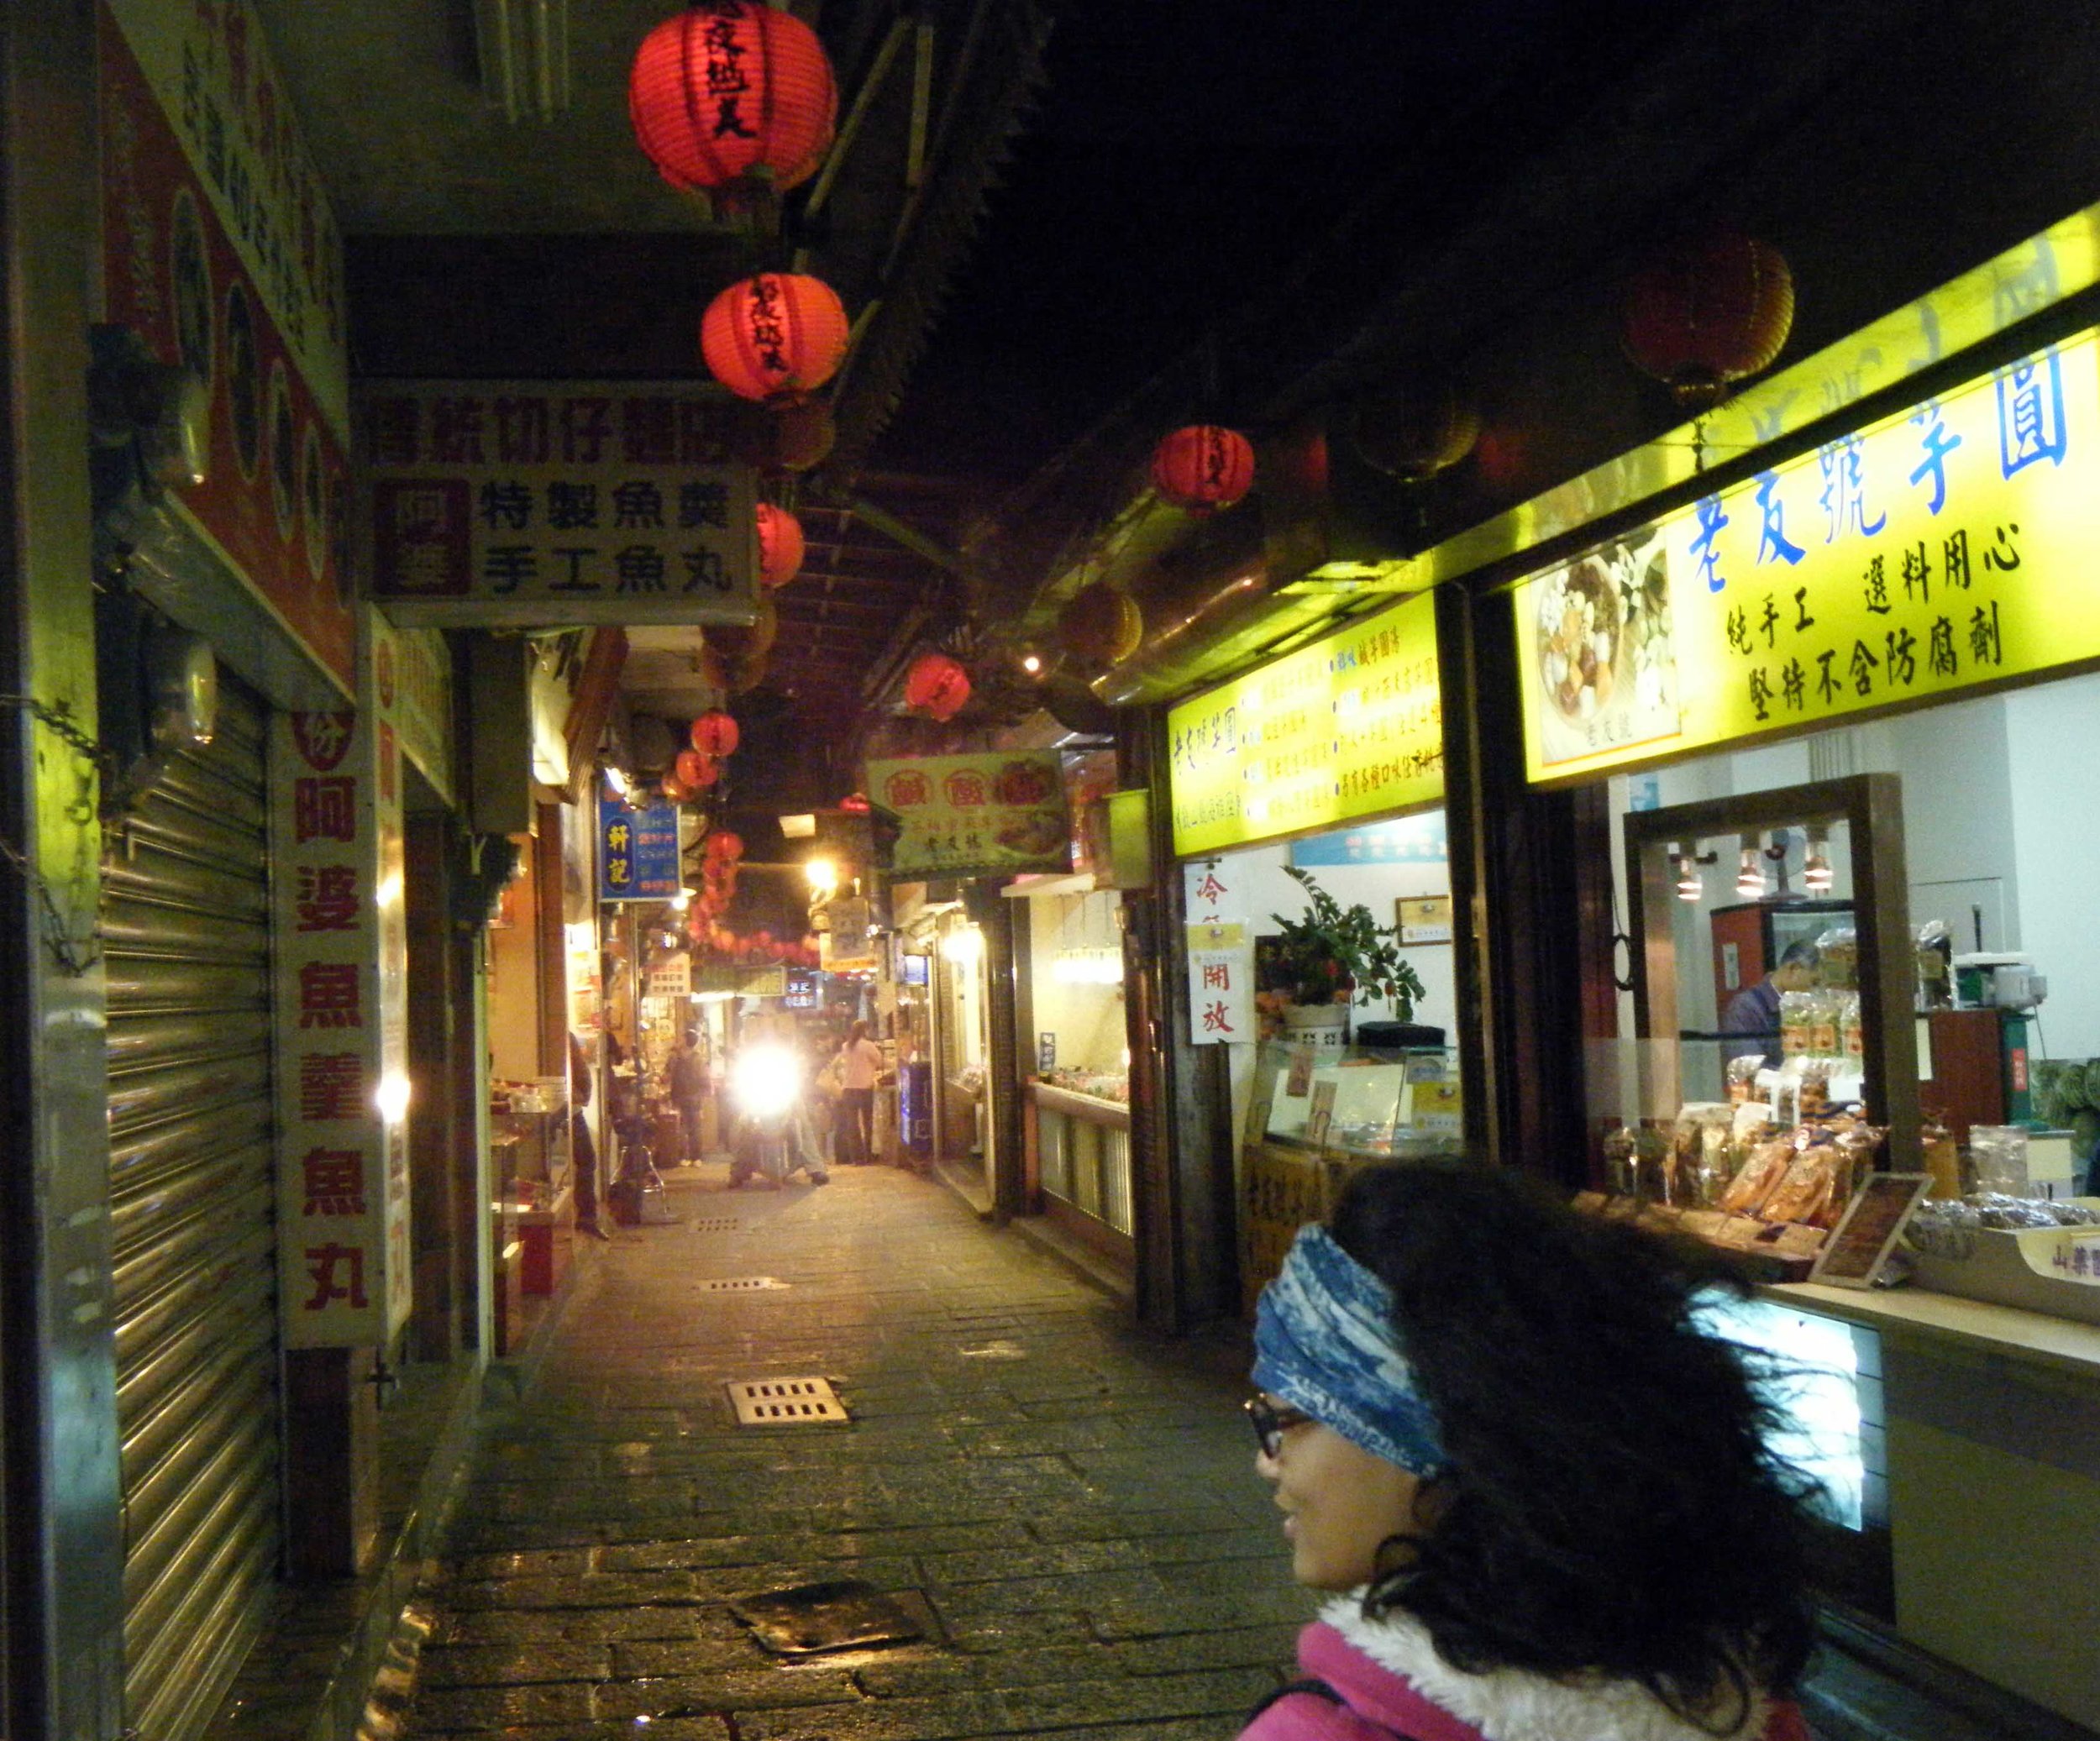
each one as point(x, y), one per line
point(1350, 725)
point(1944, 548)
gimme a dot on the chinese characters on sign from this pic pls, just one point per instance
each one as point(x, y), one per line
point(340, 938)
point(489, 503)
point(976, 816)
point(1349, 727)
point(637, 851)
point(1221, 950)
point(220, 253)
point(1944, 548)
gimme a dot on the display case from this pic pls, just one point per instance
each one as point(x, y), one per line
point(1315, 1115)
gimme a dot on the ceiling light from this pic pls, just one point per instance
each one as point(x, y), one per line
point(1691, 885)
point(799, 828)
point(1031, 663)
point(1816, 874)
point(1749, 869)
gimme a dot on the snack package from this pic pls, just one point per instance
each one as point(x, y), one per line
point(1851, 1036)
point(1805, 1189)
point(1793, 1023)
point(1758, 1177)
point(1838, 949)
point(1753, 1122)
point(1742, 1077)
point(1822, 1024)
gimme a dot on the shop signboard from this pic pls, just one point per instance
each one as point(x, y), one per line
point(671, 977)
point(1407, 840)
point(220, 252)
point(1944, 548)
point(637, 851)
point(998, 813)
point(412, 670)
point(1351, 726)
point(495, 504)
point(1219, 944)
point(341, 941)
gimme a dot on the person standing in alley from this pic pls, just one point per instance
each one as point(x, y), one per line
point(1536, 1484)
point(685, 1075)
point(859, 1063)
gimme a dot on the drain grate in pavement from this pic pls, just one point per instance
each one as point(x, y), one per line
point(844, 1614)
point(786, 1403)
point(740, 1284)
point(716, 1224)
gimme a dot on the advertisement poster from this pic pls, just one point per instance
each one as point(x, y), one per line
point(488, 504)
point(989, 815)
point(1945, 548)
point(220, 252)
point(1351, 726)
point(1221, 948)
point(345, 1267)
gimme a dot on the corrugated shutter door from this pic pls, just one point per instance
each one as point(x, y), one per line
point(186, 918)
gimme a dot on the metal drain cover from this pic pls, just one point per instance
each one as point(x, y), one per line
point(740, 1284)
point(843, 1615)
point(785, 1401)
point(716, 1224)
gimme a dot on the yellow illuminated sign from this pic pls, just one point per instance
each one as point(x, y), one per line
point(1950, 545)
point(1352, 726)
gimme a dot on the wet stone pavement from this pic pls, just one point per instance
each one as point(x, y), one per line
point(1068, 1507)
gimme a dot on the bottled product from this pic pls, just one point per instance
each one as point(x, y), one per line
point(1793, 1024)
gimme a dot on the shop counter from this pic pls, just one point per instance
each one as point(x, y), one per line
point(1078, 1165)
point(547, 1235)
point(1984, 1421)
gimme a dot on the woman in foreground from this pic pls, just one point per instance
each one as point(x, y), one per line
point(1538, 1491)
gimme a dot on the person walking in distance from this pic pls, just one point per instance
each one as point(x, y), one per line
point(686, 1076)
point(859, 1063)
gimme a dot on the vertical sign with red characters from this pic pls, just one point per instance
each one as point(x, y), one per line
point(340, 939)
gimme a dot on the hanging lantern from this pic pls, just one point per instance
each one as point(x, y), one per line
point(692, 769)
point(741, 642)
point(1710, 311)
point(1101, 625)
point(729, 90)
point(780, 548)
point(714, 733)
point(776, 332)
point(724, 846)
point(708, 772)
point(937, 686)
point(1204, 468)
point(1414, 429)
point(794, 433)
point(675, 789)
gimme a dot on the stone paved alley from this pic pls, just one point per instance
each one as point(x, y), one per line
point(1072, 1506)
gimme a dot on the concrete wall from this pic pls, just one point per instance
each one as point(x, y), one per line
point(1087, 1018)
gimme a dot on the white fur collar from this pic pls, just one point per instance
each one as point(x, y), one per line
point(1515, 1704)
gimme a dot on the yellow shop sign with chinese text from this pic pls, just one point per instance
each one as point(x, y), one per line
point(1352, 726)
point(1950, 546)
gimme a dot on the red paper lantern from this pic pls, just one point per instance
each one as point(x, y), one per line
point(1204, 468)
point(935, 685)
point(1711, 310)
point(776, 332)
point(781, 547)
point(692, 768)
point(1102, 624)
point(714, 733)
point(725, 846)
point(732, 89)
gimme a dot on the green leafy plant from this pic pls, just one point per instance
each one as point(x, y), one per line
point(1335, 952)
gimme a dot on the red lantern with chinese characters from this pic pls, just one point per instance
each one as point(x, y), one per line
point(937, 686)
point(690, 768)
point(1710, 311)
point(1101, 625)
point(732, 90)
point(781, 547)
point(1204, 468)
point(714, 733)
point(776, 332)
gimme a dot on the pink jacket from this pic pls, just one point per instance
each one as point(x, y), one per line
point(1390, 1682)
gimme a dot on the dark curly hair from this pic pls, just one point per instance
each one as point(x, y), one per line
point(1609, 1503)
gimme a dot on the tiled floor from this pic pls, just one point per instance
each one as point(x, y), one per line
point(1073, 1505)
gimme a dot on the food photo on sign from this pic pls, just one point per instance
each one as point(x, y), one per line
point(1602, 653)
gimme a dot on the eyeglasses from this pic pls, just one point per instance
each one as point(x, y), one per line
point(1270, 1423)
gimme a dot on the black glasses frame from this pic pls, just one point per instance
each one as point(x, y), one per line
point(1270, 1422)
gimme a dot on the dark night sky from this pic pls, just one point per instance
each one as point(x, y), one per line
point(1184, 155)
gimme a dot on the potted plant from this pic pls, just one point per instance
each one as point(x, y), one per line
point(1333, 955)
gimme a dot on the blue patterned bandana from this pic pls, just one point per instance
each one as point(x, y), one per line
point(1324, 1343)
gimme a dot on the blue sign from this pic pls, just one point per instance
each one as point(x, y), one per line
point(1411, 840)
point(637, 851)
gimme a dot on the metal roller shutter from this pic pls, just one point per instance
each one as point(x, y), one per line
point(186, 923)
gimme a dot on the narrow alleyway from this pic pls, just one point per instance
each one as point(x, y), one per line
point(1068, 1509)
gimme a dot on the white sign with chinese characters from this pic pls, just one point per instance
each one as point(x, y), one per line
point(492, 504)
point(341, 941)
point(1221, 950)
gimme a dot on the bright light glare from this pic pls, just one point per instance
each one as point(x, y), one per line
point(1032, 664)
point(389, 890)
point(965, 946)
point(615, 781)
point(392, 1098)
point(681, 901)
point(766, 1079)
point(822, 873)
